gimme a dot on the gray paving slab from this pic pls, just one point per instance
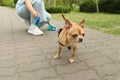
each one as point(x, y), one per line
point(27, 57)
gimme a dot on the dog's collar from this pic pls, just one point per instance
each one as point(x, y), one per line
point(69, 47)
point(60, 30)
point(61, 43)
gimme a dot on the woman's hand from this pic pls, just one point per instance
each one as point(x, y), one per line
point(35, 14)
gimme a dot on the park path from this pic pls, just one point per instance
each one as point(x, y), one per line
point(27, 57)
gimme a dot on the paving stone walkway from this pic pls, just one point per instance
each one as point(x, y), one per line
point(27, 57)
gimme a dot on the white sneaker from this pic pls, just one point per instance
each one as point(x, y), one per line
point(33, 29)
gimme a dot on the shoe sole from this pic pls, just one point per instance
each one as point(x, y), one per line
point(30, 32)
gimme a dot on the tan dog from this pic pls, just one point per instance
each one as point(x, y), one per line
point(70, 36)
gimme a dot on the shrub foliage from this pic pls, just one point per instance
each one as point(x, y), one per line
point(88, 6)
point(109, 6)
point(58, 9)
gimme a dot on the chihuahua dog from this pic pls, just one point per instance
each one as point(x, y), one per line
point(69, 36)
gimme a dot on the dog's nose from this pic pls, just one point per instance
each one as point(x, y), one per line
point(80, 39)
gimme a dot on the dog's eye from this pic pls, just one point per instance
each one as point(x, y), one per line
point(83, 34)
point(74, 35)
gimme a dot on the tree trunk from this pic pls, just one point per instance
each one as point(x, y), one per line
point(54, 2)
point(71, 6)
point(0, 2)
point(49, 2)
point(97, 6)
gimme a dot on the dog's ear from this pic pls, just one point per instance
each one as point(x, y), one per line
point(67, 22)
point(82, 23)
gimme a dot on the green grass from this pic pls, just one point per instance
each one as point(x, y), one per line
point(107, 23)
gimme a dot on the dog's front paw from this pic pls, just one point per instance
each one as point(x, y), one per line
point(71, 60)
point(56, 57)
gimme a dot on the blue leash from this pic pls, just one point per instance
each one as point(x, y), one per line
point(51, 27)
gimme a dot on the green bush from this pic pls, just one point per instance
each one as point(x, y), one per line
point(58, 9)
point(15, 1)
point(88, 6)
point(9, 3)
point(109, 6)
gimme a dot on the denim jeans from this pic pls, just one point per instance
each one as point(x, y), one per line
point(38, 5)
